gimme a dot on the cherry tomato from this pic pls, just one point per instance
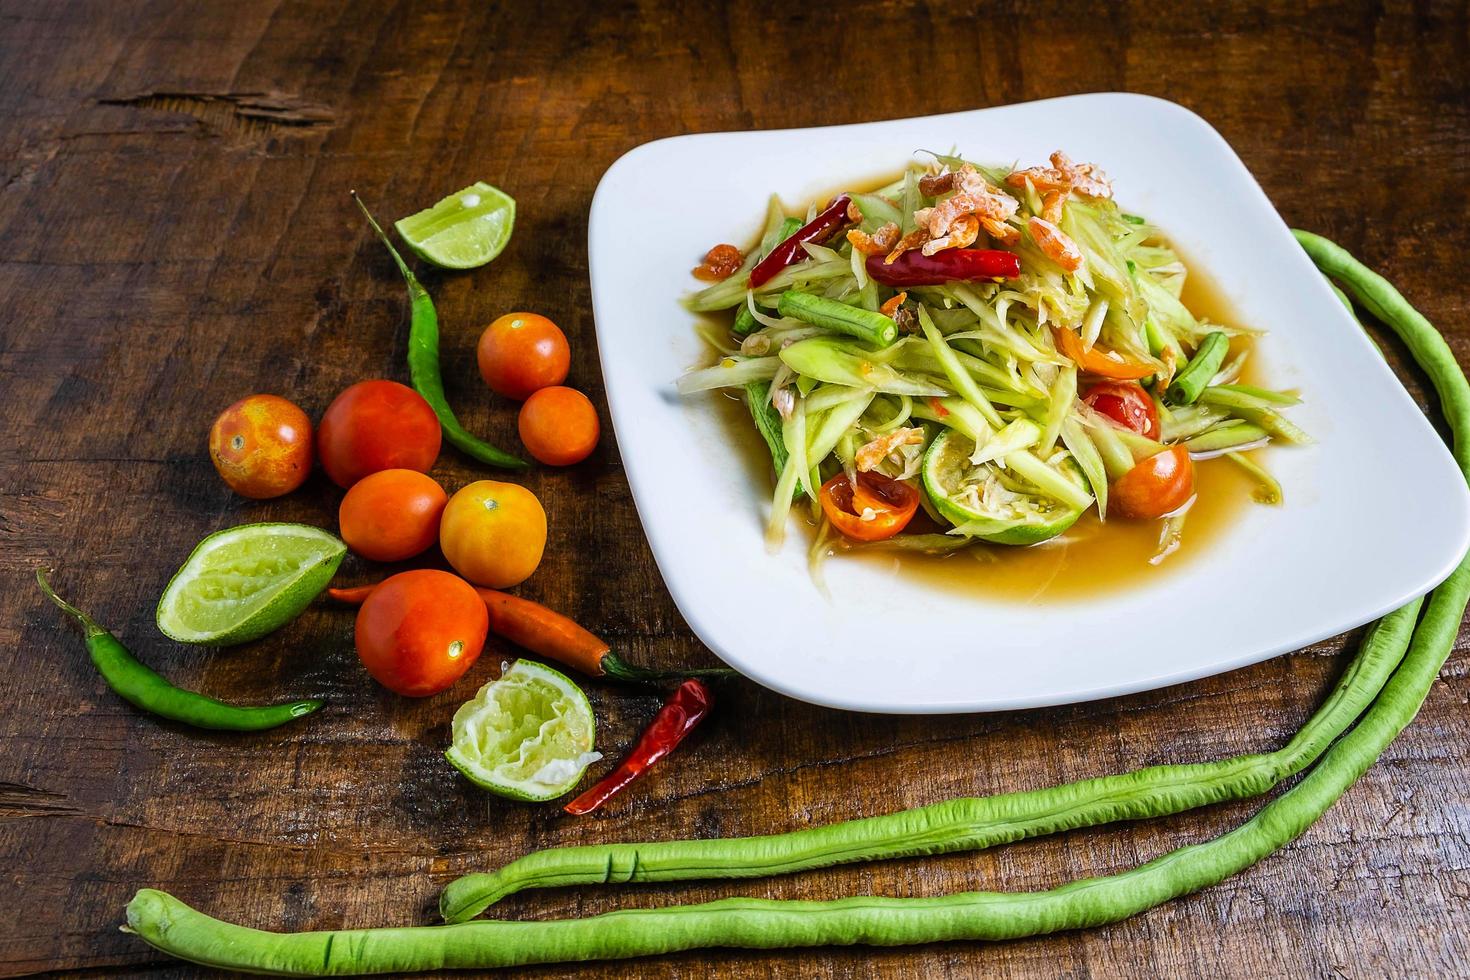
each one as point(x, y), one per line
point(522, 352)
point(892, 503)
point(391, 515)
point(1099, 360)
point(377, 425)
point(1125, 403)
point(559, 426)
point(1157, 486)
point(261, 446)
point(493, 533)
point(418, 632)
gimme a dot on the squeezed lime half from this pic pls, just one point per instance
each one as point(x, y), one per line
point(245, 582)
point(527, 736)
point(464, 231)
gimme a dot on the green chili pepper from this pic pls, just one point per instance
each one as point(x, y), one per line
point(867, 326)
point(423, 363)
point(1203, 366)
point(147, 690)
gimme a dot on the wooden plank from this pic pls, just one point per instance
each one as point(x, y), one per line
point(171, 246)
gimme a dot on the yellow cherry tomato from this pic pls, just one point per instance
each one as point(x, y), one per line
point(493, 533)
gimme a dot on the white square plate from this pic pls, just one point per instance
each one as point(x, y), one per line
point(1376, 511)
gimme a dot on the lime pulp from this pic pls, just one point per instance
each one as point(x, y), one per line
point(527, 736)
point(244, 582)
point(464, 231)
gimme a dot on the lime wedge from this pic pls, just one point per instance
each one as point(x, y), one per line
point(245, 582)
point(527, 736)
point(1023, 515)
point(464, 231)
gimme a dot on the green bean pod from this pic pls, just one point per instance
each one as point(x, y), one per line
point(423, 363)
point(871, 328)
point(147, 690)
point(1203, 366)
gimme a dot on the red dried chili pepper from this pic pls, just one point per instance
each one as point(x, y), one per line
point(676, 719)
point(951, 265)
point(789, 252)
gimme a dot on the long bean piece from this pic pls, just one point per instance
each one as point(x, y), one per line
point(174, 927)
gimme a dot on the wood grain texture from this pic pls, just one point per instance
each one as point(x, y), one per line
point(177, 233)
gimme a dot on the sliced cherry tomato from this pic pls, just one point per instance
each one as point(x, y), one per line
point(261, 446)
point(522, 352)
point(559, 426)
point(1157, 486)
point(1125, 403)
point(892, 504)
point(418, 632)
point(1099, 360)
point(377, 425)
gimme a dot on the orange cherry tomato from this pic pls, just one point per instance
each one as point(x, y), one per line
point(1157, 486)
point(391, 515)
point(892, 504)
point(377, 425)
point(1099, 360)
point(493, 533)
point(1125, 403)
point(522, 352)
point(559, 426)
point(418, 632)
point(261, 446)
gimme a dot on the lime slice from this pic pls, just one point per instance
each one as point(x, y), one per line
point(527, 736)
point(1021, 515)
point(463, 231)
point(245, 582)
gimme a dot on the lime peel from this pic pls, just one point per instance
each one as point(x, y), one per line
point(527, 736)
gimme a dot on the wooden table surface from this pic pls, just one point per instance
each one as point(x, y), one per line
point(177, 234)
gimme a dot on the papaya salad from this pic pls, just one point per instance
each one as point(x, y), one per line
point(972, 355)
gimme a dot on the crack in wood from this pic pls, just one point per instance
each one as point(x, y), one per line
point(20, 800)
point(238, 114)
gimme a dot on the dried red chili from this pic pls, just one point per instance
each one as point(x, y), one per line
point(950, 265)
point(688, 706)
point(789, 252)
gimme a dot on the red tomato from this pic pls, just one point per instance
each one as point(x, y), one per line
point(261, 446)
point(1157, 486)
point(377, 425)
point(892, 503)
point(391, 515)
point(522, 352)
point(1125, 403)
point(418, 632)
point(559, 426)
